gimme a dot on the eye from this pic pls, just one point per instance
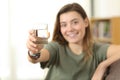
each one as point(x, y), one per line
point(75, 22)
point(63, 25)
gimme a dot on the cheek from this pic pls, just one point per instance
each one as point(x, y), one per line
point(62, 31)
point(84, 32)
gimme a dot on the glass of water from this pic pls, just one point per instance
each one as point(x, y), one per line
point(41, 31)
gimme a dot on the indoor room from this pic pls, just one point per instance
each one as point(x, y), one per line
point(19, 16)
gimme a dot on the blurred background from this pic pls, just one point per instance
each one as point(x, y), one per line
point(17, 17)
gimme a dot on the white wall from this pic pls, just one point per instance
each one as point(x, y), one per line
point(17, 17)
point(107, 8)
point(4, 39)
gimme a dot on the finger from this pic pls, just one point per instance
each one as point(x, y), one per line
point(31, 48)
point(32, 32)
point(32, 39)
point(40, 46)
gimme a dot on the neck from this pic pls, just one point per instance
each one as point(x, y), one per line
point(76, 48)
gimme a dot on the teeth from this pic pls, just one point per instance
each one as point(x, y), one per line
point(71, 34)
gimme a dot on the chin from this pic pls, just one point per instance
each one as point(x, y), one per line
point(73, 42)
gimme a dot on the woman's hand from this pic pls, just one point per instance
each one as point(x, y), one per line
point(35, 47)
point(31, 42)
point(100, 71)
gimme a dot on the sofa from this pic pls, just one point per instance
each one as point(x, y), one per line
point(113, 72)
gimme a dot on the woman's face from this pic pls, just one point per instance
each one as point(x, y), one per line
point(72, 26)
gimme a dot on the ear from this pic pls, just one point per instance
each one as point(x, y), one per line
point(86, 22)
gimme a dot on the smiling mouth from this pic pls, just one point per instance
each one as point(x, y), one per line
point(72, 35)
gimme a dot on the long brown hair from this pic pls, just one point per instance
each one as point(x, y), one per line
point(87, 40)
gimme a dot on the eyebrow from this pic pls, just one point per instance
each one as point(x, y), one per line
point(74, 19)
point(71, 20)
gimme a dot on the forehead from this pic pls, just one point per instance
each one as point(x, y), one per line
point(69, 16)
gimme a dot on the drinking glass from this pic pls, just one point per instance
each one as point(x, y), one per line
point(41, 32)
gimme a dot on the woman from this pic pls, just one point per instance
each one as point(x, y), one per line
point(72, 54)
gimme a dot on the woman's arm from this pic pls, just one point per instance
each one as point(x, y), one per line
point(36, 48)
point(44, 56)
point(113, 54)
point(100, 71)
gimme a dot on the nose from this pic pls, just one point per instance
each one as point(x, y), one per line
point(69, 28)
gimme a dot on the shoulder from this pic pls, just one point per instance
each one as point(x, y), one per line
point(113, 50)
point(100, 50)
point(100, 46)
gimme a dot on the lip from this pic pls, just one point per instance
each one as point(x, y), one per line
point(72, 34)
